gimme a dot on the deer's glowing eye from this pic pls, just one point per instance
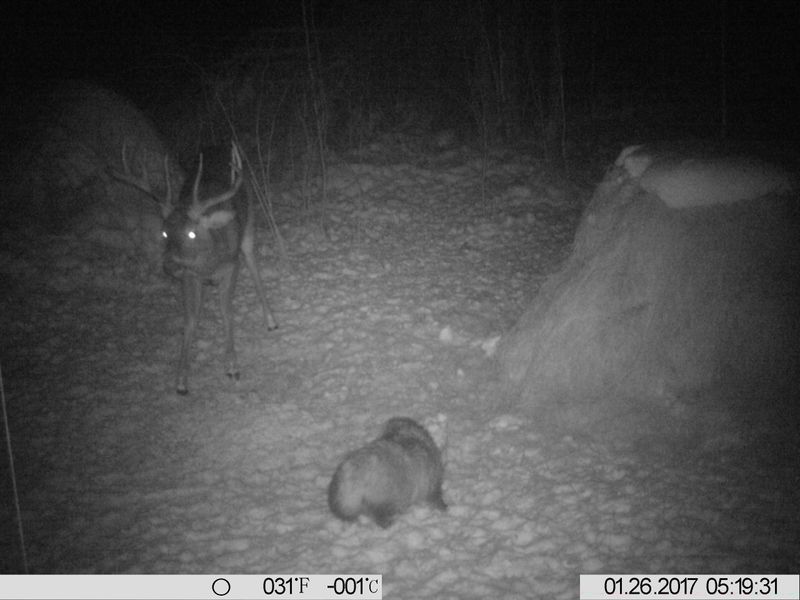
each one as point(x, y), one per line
point(164, 234)
point(191, 235)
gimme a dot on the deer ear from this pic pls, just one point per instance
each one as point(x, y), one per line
point(217, 219)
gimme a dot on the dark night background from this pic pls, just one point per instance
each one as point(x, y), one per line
point(626, 66)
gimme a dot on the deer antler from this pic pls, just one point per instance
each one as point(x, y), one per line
point(142, 182)
point(198, 208)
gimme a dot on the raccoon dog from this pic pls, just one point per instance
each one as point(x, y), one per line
point(387, 476)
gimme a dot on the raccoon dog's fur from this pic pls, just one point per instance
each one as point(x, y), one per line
point(387, 476)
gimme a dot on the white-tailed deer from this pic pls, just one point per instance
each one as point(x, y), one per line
point(205, 230)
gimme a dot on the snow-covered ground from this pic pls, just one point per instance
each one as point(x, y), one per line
point(395, 314)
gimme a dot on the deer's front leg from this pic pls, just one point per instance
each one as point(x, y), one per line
point(227, 283)
point(192, 301)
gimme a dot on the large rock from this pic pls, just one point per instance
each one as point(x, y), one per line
point(678, 312)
